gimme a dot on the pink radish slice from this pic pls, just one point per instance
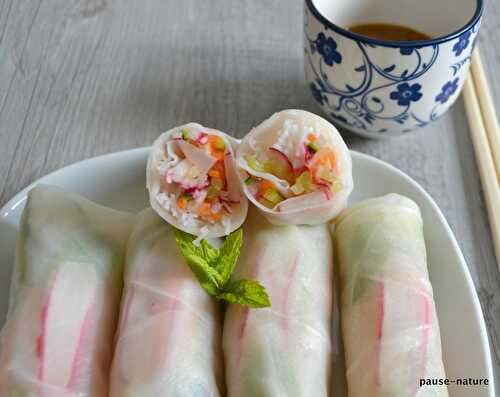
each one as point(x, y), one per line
point(283, 159)
point(327, 193)
point(244, 319)
point(70, 299)
point(227, 205)
point(422, 367)
point(308, 155)
point(198, 157)
point(300, 170)
point(202, 138)
point(75, 369)
point(323, 183)
point(421, 326)
point(326, 189)
point(41, 338)
point(192, 189)
point(406, 316)
point(312, 199)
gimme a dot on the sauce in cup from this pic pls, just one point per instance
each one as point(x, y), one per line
point(385, 31)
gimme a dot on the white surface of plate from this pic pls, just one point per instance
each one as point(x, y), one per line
point(117, 180)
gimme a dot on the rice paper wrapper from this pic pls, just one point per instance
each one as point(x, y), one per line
point(165, 155)
point(285, 132)
point(284, 350)
point(65, 293)
point(169, 338)
point(390, 328)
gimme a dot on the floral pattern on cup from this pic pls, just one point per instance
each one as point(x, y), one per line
point(327, 47)
point(448, 90)
point(407, 93)
point(317, 94)
point(383, 90)
point(462, 44)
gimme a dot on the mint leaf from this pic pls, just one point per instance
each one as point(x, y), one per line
point(203, 250)
point(209, 253)
point(246, 293)
point(207, 276)
point(228, 255)
point(213, 269)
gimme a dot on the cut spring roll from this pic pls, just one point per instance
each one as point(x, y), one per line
point(296, 168)
point(169, 337)
point(65, 294)
point(193, 182)
point(283, 350)
point(390, 329)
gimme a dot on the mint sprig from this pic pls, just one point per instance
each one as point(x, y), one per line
point(229, 253)
point(213, 269)
point(246, 293)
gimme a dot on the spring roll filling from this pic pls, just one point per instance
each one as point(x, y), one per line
point(296, 164)
point(195, 177)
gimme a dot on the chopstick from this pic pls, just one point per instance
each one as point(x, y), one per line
point(485, 135)
point(487, 108)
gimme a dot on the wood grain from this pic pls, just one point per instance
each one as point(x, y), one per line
point(82, 78)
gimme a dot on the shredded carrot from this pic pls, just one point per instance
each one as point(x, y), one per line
point(218, 154)
point(205, 209)
point(205, 212)
point(311, 137)
point(325, 156)
point(266, 185)
point(196, 143)
point(214, 173)
point(218, 171)
point(216, 146)
point(212, 139)
point(216, 217)
point(182, 202)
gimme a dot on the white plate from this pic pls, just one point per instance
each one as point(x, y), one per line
point(117, 180)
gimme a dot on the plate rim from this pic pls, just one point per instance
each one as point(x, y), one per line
point(20, 197)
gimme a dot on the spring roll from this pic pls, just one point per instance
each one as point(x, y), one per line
point(169, 337)
point(283, 350)
point(193, 182)
point(296, 168)
point(65, 294)
point(390, 329)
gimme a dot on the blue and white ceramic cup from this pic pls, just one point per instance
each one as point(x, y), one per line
point(379, 88)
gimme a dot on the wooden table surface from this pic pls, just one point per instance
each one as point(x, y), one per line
point(83, 78)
